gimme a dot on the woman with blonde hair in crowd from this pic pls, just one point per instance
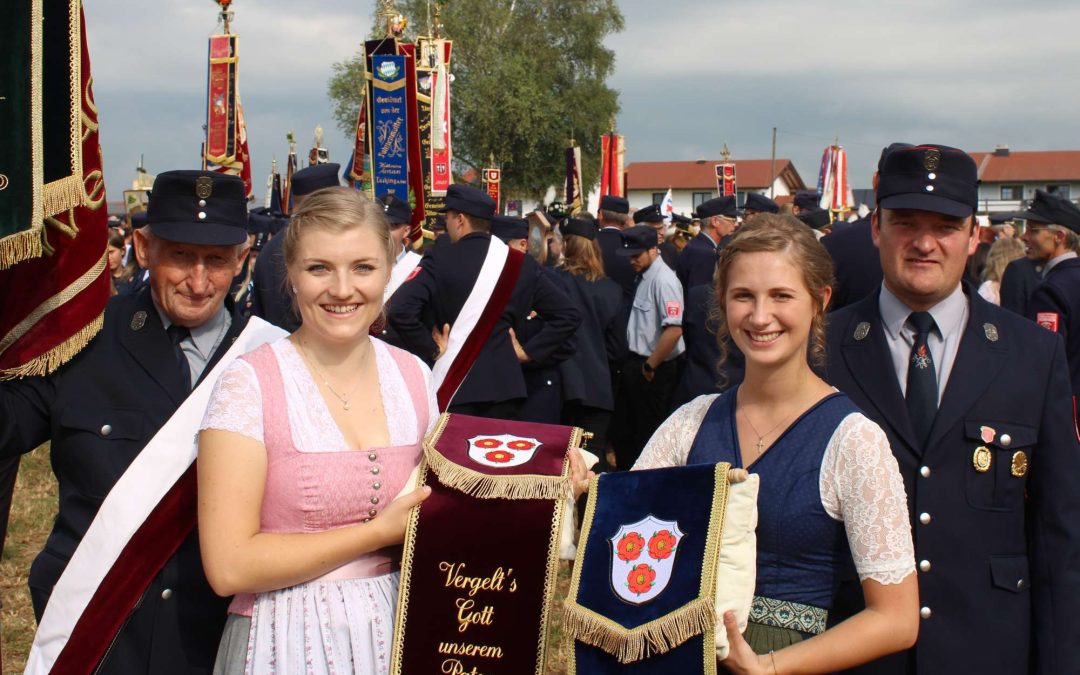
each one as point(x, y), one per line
point(831, 491)
point(304, 446)
point(1002, 252)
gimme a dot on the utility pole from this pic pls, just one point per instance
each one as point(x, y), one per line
point(772, 166)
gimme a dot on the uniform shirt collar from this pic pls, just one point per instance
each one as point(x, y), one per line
point(653, 269)
point(204, 337)
point(1052, 263)
point(948, 314)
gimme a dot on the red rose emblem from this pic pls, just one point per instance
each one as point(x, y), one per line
point(641, 578)
point(488, 443)
point(521, 445)
point(630, 546)
point(500, 456)
point(661, 545)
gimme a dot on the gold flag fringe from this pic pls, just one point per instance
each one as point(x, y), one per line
point(484, 486)
point(61, 195)
point(58, 355)
point(20, 246)
point(655, 637)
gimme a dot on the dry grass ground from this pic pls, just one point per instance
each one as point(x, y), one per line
point(32, 511)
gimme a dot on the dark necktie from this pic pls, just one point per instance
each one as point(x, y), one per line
point(922, 390)
point(177, 334)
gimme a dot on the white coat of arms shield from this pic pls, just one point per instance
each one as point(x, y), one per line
point(643, 558)
point(502, 451)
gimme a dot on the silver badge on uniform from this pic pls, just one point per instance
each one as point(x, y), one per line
point(991, 332)
point(204, 187)
point(862, 330)
point(138, 320)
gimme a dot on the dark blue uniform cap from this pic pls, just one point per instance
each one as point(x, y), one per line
point(312, 178)
point(761, 203)
point(468, 200)
point(260, 240)
point(508, 228)
point(649, 214)
point(440, 224)
point(138, 219)
point(808, 200)
point(1053, 210)
point(933, 178)
point(198, 207)
point(637, 239)
point(397, 210)
point(718, 206)
point(815, 218)
point(258, 222)
point(582, 227)
point(614, 204)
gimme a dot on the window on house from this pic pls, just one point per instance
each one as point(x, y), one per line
point(1012, 192)
point(701, 197)
point(658, 197)
point(1059, 190)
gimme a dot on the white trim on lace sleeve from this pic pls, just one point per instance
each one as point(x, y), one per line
point(671, 442)
point(236, 402)
point(861, 485)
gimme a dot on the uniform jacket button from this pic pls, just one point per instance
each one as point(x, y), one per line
point(925, 613)
point(166, 594)
point(924, 565)
point(106, 429)
point(925, 518)
point(924, 472)
point(1006, 440)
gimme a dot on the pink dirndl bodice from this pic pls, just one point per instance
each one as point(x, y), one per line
point(317, 491)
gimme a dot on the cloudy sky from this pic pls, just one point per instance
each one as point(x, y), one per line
point(692, 75)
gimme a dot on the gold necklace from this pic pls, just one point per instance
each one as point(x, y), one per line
point(761, 437)
point(344, 399)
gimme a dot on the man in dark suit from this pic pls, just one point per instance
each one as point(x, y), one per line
point(104, 406)
point(269, 299)
point(975, 402)
point(1051, 238)
point(613, 218)
point(495, 386)
point(697, 262)
point(856, 265)
point(1018, 282)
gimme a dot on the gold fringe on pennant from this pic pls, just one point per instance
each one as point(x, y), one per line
point(61, 195)
point(20, 246)
point(655, 637)
point(484, 486)
point(58, 355)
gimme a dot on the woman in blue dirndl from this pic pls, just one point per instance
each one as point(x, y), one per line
point(832, 503)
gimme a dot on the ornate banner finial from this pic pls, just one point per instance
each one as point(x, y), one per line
point(726, 154)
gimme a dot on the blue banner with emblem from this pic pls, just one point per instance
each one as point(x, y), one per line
point(390, 147)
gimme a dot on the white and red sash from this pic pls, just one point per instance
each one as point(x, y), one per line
point(477, 318)
point(401, 271)
point(140, 525)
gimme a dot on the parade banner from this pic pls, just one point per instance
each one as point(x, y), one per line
point(416, 173)
point(613, 149)
point(725, 179)
point(221, 100)
point(662, 554)
point(389, 151)
point(492, 179)
point(481, 552)
point(440, 120)
point(290, 169)
point(574, 198)
point(356, 170)
point(54, 304)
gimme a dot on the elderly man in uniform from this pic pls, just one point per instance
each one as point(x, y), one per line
point(269, 301)
point(443, 284)
point(697, 262)
point(1051, 237)
point(102, 408)
point(654, 335)
point(976, 405)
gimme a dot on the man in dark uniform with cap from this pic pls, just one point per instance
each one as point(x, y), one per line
point(1051, 237)
point(495, 386)
point(654, 335)
point(654, 218)
point(104, 406)
point(613, 218)
point(269, 301)
point(975, 402)
point(697, 262)
point(758, 203)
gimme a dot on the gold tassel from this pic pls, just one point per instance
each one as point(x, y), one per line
point(58, 355)
point(61, 195)
point(20, 246)
point(484, 486)
point(658, 636)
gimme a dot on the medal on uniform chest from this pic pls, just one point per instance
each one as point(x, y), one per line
point(1019, 467)
point(982, 459)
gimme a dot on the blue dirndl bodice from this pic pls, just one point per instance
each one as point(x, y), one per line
point(802, 553)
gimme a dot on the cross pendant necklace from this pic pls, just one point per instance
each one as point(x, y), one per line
point(761, 437)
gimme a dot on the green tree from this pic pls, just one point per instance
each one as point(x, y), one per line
point(528, 76)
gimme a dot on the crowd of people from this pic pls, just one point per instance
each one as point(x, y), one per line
point(916, 442)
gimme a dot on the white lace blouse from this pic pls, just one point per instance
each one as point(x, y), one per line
point(236, 404)
point(860, 486)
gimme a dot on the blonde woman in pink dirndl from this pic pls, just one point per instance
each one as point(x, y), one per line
point(305, 444)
